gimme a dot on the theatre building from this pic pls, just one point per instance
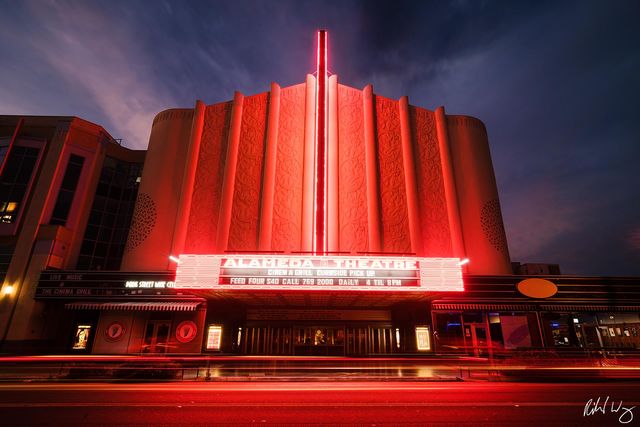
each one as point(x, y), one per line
point(314, 219)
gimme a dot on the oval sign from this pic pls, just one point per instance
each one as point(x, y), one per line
point(186, 331)
point(537, 288)
point(114, 332)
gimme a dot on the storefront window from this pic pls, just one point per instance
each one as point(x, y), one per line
point(473, 317)
point(448, 332)
point(619, 330)
point(561, 330)
point(495, 329)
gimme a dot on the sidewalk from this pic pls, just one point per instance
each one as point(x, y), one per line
point(273, 368)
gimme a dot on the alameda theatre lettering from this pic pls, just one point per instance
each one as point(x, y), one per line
point(376, 263)
point(254, 272)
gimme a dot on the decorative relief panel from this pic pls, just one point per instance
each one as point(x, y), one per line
point(142, 223)
point(243, 234)
point(433, 205)
point(207, 189)
point(353, 197)
point(394, 216)
point(287, 203)
point(492, 226)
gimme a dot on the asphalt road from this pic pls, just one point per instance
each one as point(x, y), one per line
point(321, 403)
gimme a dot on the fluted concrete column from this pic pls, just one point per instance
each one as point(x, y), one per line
point(269, 175)
point(229, 179)
point(413, 207)
point(333, 225)
point(451, 195)
point(188, 180)
point(371, 163)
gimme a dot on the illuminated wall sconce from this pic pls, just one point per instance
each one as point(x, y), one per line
point(214, 335)
point(423, 340)
point(174, 259)
point(7, 290)
point(464, 261)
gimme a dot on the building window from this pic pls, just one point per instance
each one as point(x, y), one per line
point(15, 180)
point(110, 216)
point(4, 148)
point(67, 190)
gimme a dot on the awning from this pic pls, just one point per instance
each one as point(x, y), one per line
point(134, 306)
point(492, 307)
point(590, 308)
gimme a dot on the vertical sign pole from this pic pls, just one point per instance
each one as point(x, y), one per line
point(320, 232)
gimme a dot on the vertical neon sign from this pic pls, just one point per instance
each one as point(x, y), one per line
point(320, 232)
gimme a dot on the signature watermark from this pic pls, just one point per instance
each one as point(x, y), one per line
point(603, 407)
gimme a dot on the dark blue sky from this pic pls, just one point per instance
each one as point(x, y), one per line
point(556, 83)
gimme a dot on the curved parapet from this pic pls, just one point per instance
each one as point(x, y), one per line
point(149, 244)
point(485, 241)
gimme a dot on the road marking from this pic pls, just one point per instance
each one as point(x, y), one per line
point(292, 405)
point(245, 387)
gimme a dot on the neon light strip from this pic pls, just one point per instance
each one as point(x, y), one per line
point(320, 208)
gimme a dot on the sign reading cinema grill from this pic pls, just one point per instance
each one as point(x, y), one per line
point(255, 272)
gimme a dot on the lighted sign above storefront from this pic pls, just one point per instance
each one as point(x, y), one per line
point(339, 273)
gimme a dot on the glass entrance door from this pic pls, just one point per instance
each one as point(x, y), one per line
point(156, 335)
point(480, 339)
point(319, 340)
point(357, 341)
point(266, 340)
point(381, 340)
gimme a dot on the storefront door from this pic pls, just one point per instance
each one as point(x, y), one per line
point(480, 339)
point(156, 335)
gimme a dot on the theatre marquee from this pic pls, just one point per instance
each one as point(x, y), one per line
point(326, 273)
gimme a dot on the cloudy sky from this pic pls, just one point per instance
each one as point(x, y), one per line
point(555, 82)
